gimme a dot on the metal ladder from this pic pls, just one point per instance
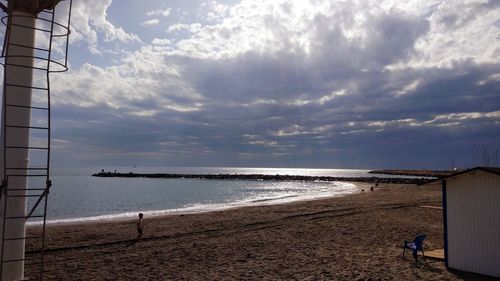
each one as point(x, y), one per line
point(37, 175)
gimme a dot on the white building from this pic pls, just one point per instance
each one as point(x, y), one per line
point(471, 212)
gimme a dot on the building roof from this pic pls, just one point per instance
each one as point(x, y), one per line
point(493, 170)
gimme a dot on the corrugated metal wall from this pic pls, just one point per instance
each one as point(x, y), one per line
point(473, 215)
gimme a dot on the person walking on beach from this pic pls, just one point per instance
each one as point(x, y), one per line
point(140, 226)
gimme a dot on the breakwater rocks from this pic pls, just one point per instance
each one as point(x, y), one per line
point(415, 173)
point(263, 177)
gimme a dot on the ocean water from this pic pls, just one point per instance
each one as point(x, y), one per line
point(77, 196)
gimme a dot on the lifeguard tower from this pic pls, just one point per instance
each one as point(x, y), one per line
point(35, 45)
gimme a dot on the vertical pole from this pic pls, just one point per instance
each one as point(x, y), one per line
point(20, 32)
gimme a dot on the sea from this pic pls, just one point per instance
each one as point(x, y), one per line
point(77, 196)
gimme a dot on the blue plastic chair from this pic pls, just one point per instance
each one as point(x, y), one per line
point(415, 245)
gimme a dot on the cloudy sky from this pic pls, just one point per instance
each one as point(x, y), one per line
point(280, 83)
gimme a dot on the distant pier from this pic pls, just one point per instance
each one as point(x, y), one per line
point(261, 177)
point(415, 173)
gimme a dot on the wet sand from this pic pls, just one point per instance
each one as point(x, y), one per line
point(356, 237)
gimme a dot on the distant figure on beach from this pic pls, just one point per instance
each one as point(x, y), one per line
point(371, 188)
point(140, 226)
point(362, 191)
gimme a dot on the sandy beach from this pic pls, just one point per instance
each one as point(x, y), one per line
point(355, 237)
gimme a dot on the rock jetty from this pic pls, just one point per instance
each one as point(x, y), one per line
point(415, 173)
point(263, 177)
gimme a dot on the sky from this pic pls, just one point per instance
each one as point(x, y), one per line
point(280, 83)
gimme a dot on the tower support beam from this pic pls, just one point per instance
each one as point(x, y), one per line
point(18, 81)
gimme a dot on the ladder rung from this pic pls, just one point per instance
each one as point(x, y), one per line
point(25, 259)
point(42, 175)
point(27, 127)
point(27, 87)
point(21, 189)
point(28, 169)
point(27, 189)
point(25, 66)
point(60, 35)
point(26, 195)
point(27, 147)
point(30, 27)
point(31, 57)
point(24, 217)
point(25, 106)
point(23, 238)
point(29, 47)
point(48, 11)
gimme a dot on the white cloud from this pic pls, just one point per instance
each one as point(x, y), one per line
point(162, 42)
point(491, 78)
point(193, 28)
point(459, 30)
point(444, 32)
point(291, 131)
point(270, 26)
point(408, 88)
point(326, 98)
point(463, 116)
point(160, 12)
point(214, 10)
point(89, 24)
point(264, 143)
point(251, 26)
point(151, 22)
point(142, 85)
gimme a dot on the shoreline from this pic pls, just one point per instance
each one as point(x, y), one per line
point(131, 215)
